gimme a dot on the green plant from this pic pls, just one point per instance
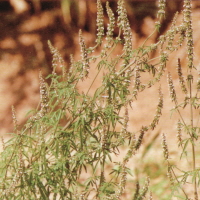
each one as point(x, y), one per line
point(66, 149)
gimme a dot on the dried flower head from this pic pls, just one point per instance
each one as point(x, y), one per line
point(111, 25)
point(171, 34)
point(142, 132)
point(15, 122)
point(57, 58)
point(179, 129)
point(43, 96)
point(171, 88)
point(145, 188)
point(182, 34)
point(137, 82)
point(71, 67)
point(161, 9)
point(100, 25)
point(170, 176)
point(181, 78)
point(137, 191)
point(18, 174)
point(123, 23)
point(125, 122)
point(131, 150)
point(187, 20)
point(165, 148)
point(158, 111)
point(122, 183)
point(84, 55)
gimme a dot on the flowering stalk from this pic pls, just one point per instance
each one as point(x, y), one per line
point(165, 148)
point(57, 58)
point(15, 122)
point(189, 32)
point(123, 23)
point(100, 25)
point(171, 88)
point(181, 78)
point(43, 96)
point(84, 55)
point(161, 11)
point(158, 111)
point(111, 25)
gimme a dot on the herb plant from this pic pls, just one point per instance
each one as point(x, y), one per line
point(65, 149)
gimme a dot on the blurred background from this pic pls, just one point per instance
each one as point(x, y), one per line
point(27, 25)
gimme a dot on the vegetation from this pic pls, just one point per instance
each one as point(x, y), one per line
point(65, 150)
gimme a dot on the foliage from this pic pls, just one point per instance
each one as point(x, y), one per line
point(65, 149)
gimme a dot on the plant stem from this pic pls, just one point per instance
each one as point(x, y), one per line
point(192, 141)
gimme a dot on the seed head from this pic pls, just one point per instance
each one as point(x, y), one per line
point(158, 111)
point(123, 23)
point(170, 176)
point(165, 148)
point(15, 122)
point(84, 55)
point(111, 25)
point(57, 58)
point(145, 188)
point(161, 7)
point(187, 20)
point(181, 78)
point(43, 96)
point(125, 121)
point(142, 132)
point(179, 129)
point(100, 25)
point(171, 88)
